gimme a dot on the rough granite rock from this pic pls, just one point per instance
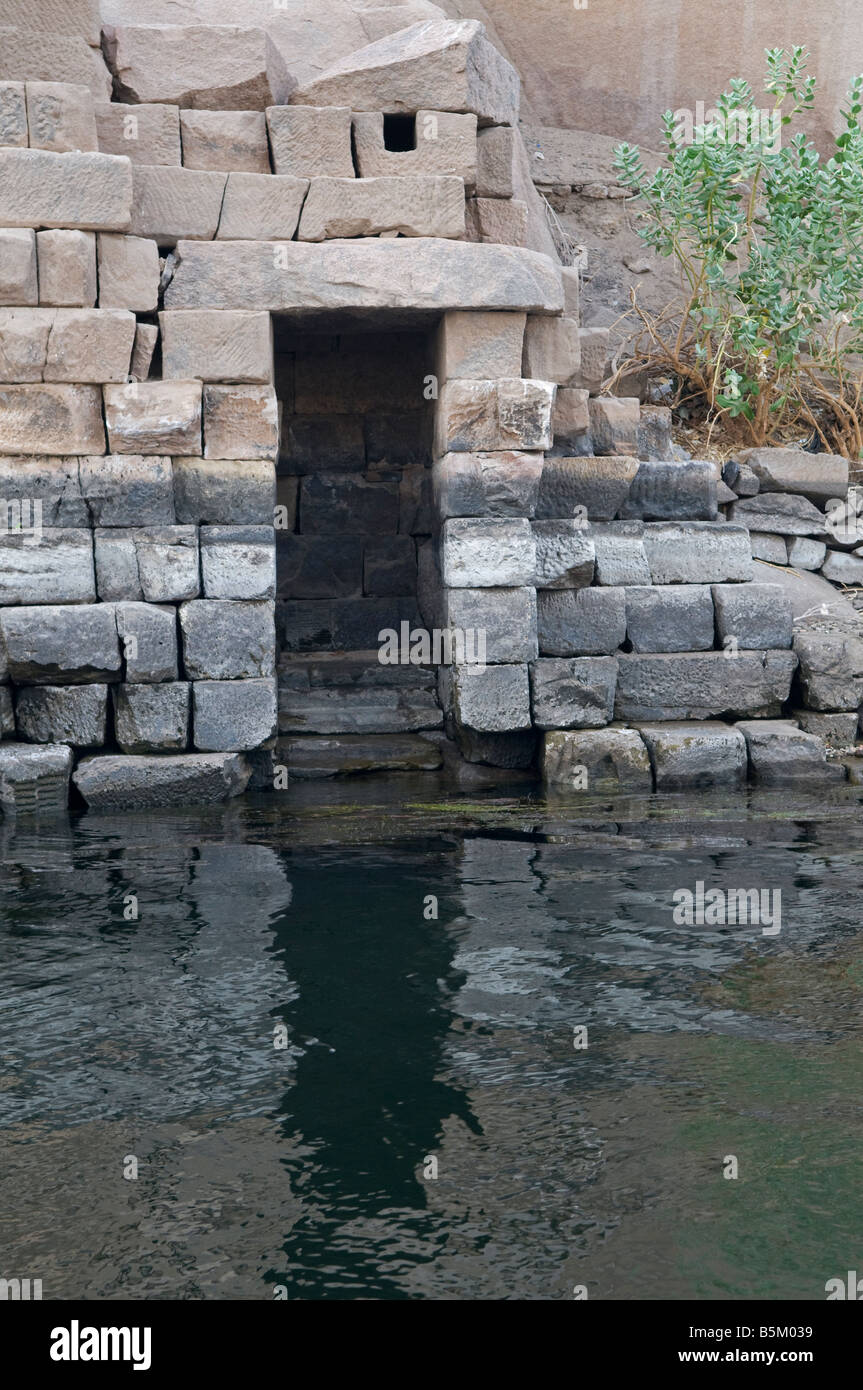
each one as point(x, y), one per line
point(202, 67)
point(703, 685)
point(74, 714)
point(607, 760)
point(87, 192)
point(116, 783)
point(693, 755)
point(572, 693)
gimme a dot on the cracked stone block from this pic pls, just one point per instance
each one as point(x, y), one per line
point(128, 273)
point(148, 636)
point(34, 780)
point(116, 559)
point(500, 484)
point(703, 685)
point(238, 562)
point(218, 345)
point(115, 783)
point(697, 552)
point(593, 488)
point(240, 422)
point(90, 345)
point(311, 142)
point(444, 143)
point(692, 755)
point(493, 700)
point(173, 204)
point(229, 141)
point(202, 67)
point(780, 754)
point(479, 346)
point(505, 619)
point(780, 513)
point(427, 206)
point(565, 555)
point(145, 134)
point(60, 117)
point(235, 715)
point(607, 760)
point(226, 640)
point(24, 335)
point(67, 268)
point(152, 718)
point(620, 553)
point(19, 282)
point(755, 615)
point(89, 192)
point(54, 567)
point(671, 618)
point(53, 483)
point(831, 669)
point(61, 645)
point(51, 419)
point(487, 553)
point(573, 692)
point(261, 207)
point(486, 416)
point(154, 417)
point(221, 492)
point(552, 351)
point(581, 622)
point(73, 714)
point(672, 492)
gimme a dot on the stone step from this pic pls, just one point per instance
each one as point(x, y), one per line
point(310, 670)
point(311, 757)
point(353, 693)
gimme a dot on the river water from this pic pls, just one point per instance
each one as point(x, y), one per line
point(340, 1034)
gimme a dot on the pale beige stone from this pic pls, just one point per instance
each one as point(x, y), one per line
point(67, 268)
point(19, 283)
point(90, 345)
point(570, 416)
point(13, 115)
point(51, 419)
point(405, 273)
point(145, 134)
point(571, 277)
point(28, 55)
point(311, 142)
point(485, 416)
point(432, 207)
point(24, 344)
point(445, 143)
point(128, 273)
point(39, 188)
point(436, 65)
point(479, 345)
point(261, 207)
point(154, 417)
point(494, 161)
point(78, 18)
point(552, 349)
point(502, 221)
point(146, 338)
point(614, 424)
point(240, 422)
point(173, 204)
point(231, 141)
point(60, 117)
point(202, 67)
point(594, 349)
point(220, 345)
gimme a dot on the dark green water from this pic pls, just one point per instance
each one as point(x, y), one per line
point(410, 1038)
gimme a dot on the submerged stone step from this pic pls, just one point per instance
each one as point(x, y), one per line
point(312, 757)
point(34, 780)
point(118, 782)
point(357, 709)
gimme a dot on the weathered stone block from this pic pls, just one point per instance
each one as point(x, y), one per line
point(593, 488)
point(655, 441)
point(7, 713)
point(223, 640)
point(838, 730)
point(495, 152)
point(672, 491)
point(19, 282)
point(148, 636)
point(552, 352)
point(572, 693)
point(61, 646)
point(600, 760)
point(614, 424)
point(820, 477)
point(219, 492)
point(168, 563)
point(115, 783)
point(769, 548)
point(565, 555)
point(92, 192)
point(781, 513)
point(694, 755)
point(67, 268)
point(154, 417)
point(620, 556)
point(170, 204)
point(390, 566)
point(128, 273)
point(671, 618)
point(843, 569)
point(34, 781)
point(50, 482)
point(240, 422)
point(205, 67)
point(479, 346)
point(144, 134)
point(261, 207)
point(116, 557)
point(335, 504)
point(231, 141)
point(311, 142)
point(13, 115)
point(78, 18)
point(504, 484)
point(60, 117)
point(24, 337)
point(581, 622)
point(57, 568)
point(482, 416)
point(430, 206)
point(51, 419)
point(503, 619)
point(444, 143)
point(33, 52)
point(493, 700)
point(570, 418)
point(238, 562)
point(697, 552)
point(594, 344)
point(703, 685)
point(780, 754)
point(487, 553)
point(497, 221)
point(76, 715)
point(217, 345)
point(754, 615)
point(152, 718)
point(128, 490)
point(90, 345)
point(233, 715)
point(308, 570)
point(803, 553)
point(831, 669)
point(146, 338)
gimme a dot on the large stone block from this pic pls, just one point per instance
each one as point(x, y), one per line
point(487, 553)
point(620, 557)
point(233, 715)
point(51, 419)
point(837, 730)
point(90, 345)
point(803, 553)
point(697, 552)
point(128, 490)
point(261, 207)
point(504, 484)
point(168, 563)
point(443, 143)
point(144, 134)
point(33, 53)
point(19, 283)
point(820, 477)
point(116, 556)
point(205, 67)
point(60, 117)
point(573, 693)
point(240, 422)
point(154, 417)
point(323, 444)
point(224, 640)
point(217, 345)
point(596, 760)
point(551, 350)
point(571, 418)
point(565, 555)
point(493, 700)
point(754, 615)
point(128, 273)
point(693, 755)
point(781, 513)
point(338, 504)
point(61, 646)
point(57, 568)
point(482, 416)
point(503, 619)
point(671, 618)
point(52, 483)
point(613, 423)
point(152, 718)
point(311, 142)
point(498, 221)
point(309, 570)
point(90, 192)
point(434, 65)
point(593, 488)
point(831, 669)
point(781, 754)
point(34, 780)
point(24, 335)
point(171, 204)
point(581, 622)
point(231, 141)
point(116, 783)
point(655, 436)
point(73, 714)
point(74, 18)
point(594, 343)
point(67, 268)
point(414, 207)
point(495, 154)
point(238, 562)
point(673, 492)
point(703, 685)
point(148, 635)
point(479, 346)
point(381, 273)
point(221, 492)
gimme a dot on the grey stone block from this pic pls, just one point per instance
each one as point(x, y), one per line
point(831, 669)
point(655, 441)
point(803, 553)
point(323, 444)
point(613, 760)
point(506, 618)
point(582, 622)
point(672, 492)
point(52, 482)
point(780, 754)
point(670, 617)
point(238, 562)
point(356, 623)
point(224, 492)
point(843, 569)
point(697, 552)
point(780, 513)
point(128, 490)
point(594, 489)
point(7, 713)
point(703, 685)
point(54, 567)
point(116, 560)
point(390, 566)
point(116, 783)
point(487, 553)
point(347, 503)
point(770, 548)
point(565, 555)
point(496, 700)
point(620, 553)
point(234, 715)
point(834, 730)
point(819, 477)
point(311, 569)
point(693, 755)
point(504, 484)
point(148, 636)
point(152, 718)
point(168, 563)
point(756, 615)
point(60, 645)
point(497, 750)
point(573, 692)
point(34, 780)
point(224, 640)
point(63, 714)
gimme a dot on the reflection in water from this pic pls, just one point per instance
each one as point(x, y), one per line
point(412, 1037)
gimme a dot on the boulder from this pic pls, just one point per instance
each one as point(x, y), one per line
point(311, 142)
point(703, 685)
point(670, 618)
point(581, 622)
point(231, 141)
point(606, 761)
point(694, 755)
point(572, 693)
point(217, 345)
point(203, 67)
point(116, 783)
point(697, 552)
point(152, 718)
point(233, 715)
point(421, 206)
point(260, 207)
point(90, 192)
point(51, 419)
point(73, 714)
point(225, 640)
point(34, 780)
point(144, 134)
point(54, 567)
point(67, 268)
point(60, 645)
point(487, 553)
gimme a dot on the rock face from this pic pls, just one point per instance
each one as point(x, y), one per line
point(207, 68)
